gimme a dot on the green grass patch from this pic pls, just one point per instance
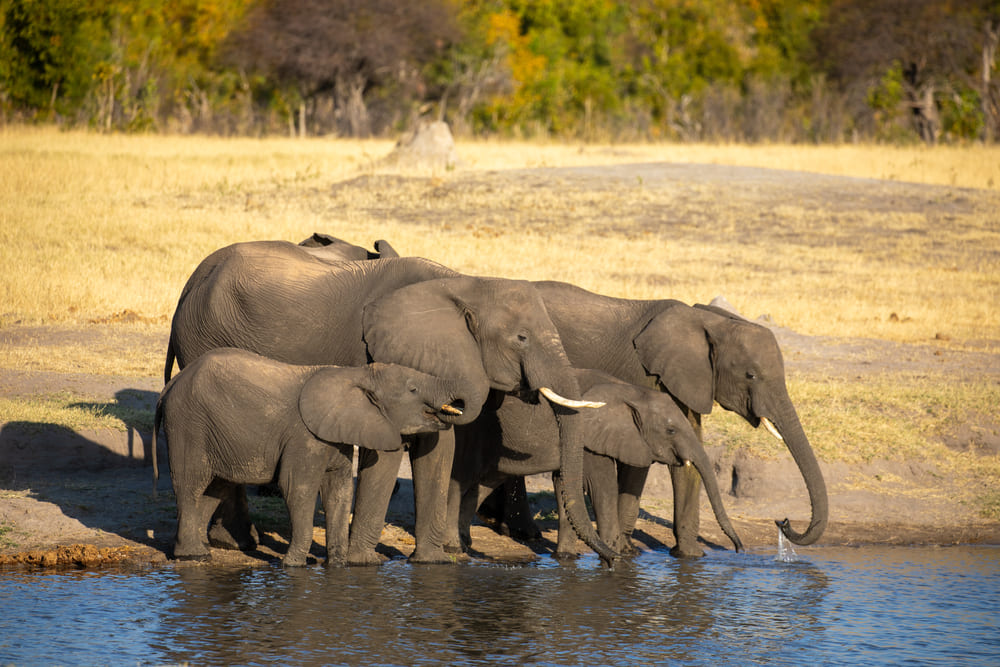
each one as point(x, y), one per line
point(5, 530)
point(989, 504)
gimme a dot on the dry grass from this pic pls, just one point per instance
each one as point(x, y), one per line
point(99, 224)
point(92, 226)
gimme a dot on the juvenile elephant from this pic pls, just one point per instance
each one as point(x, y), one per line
point(637, 426)
point(277, 299)
point(233, 417)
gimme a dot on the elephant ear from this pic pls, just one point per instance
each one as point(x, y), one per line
point(385, 250)
point(675, 346)
point(429, 327)
point(336, 409)
point(616, 429)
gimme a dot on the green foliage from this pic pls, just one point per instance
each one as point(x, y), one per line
point(682, 69)
point(962, 114)
point(886, 97)
point(49, 50)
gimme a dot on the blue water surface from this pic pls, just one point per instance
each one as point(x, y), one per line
point(831, 606)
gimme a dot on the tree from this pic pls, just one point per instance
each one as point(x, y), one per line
point(343, 49)
point(927, 47)
point(48, 50)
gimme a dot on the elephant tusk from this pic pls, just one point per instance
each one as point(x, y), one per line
point(687, 463)
point(771, 428)
point(450, 409)
point(566, 402)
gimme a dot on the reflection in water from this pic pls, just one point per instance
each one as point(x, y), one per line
point(884, 605)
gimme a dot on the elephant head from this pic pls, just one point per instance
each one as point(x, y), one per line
point(640, 426)
point(703, 355)
point(373, 405)
point(489, 334)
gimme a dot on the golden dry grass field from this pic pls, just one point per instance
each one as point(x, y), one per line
point(899, 247)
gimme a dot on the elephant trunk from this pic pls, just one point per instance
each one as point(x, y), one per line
point(562, 381)
point(702, 464)
point(571, 472)
point(790, 430)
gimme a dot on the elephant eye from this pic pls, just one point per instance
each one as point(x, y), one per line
point(522, 339)
point(751, 375)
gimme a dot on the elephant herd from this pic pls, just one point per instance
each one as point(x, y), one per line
point(291, 355)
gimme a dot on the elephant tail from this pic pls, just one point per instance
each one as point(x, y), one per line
point(157, 420)
point(169, 366)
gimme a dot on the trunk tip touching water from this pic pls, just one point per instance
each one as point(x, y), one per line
point(813, 532)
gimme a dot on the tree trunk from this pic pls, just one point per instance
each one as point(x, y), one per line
point(990, 119)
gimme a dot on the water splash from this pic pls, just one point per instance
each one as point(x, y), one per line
point(786, 554)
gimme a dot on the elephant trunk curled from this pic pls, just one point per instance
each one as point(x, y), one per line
point(791, 431)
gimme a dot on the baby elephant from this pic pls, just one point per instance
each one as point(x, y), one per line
point(233, 417)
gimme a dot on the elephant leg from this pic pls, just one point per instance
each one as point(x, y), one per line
point(196, 501)
point(377, 473)
point(231, 526)
point(517, 514)
point(631, 482)
point(336, 492)
point(431, 460)
point(454, 541)
point(687, 487)
point(301, 500)
point(601, 483)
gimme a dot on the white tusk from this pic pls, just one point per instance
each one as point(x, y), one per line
point(771, 428)
point(450, 409)
point(687, 463)
point(566, 402)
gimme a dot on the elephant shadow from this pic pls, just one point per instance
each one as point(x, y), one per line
point(655, 544)
point(101, 478)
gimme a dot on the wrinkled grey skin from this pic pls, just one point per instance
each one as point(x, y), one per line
point(698, 355)
point(335, 249)
point(277, 299)
point(637, 426)
point(233, 417)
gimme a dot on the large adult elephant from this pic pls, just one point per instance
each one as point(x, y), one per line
point(699, 355)
point(277, 299)
point(519, 435)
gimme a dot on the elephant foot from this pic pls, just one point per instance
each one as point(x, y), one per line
point(221, 537)
point(680, 551)
point(426, 555)
point(624, 547)
point(565, 555)
point(293, 561)
point(453, 549)
point(366, 558)
point(201, 556)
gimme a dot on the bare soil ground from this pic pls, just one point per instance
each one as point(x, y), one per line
point(84, 498)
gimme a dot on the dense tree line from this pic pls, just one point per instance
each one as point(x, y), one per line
point(736, 70)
